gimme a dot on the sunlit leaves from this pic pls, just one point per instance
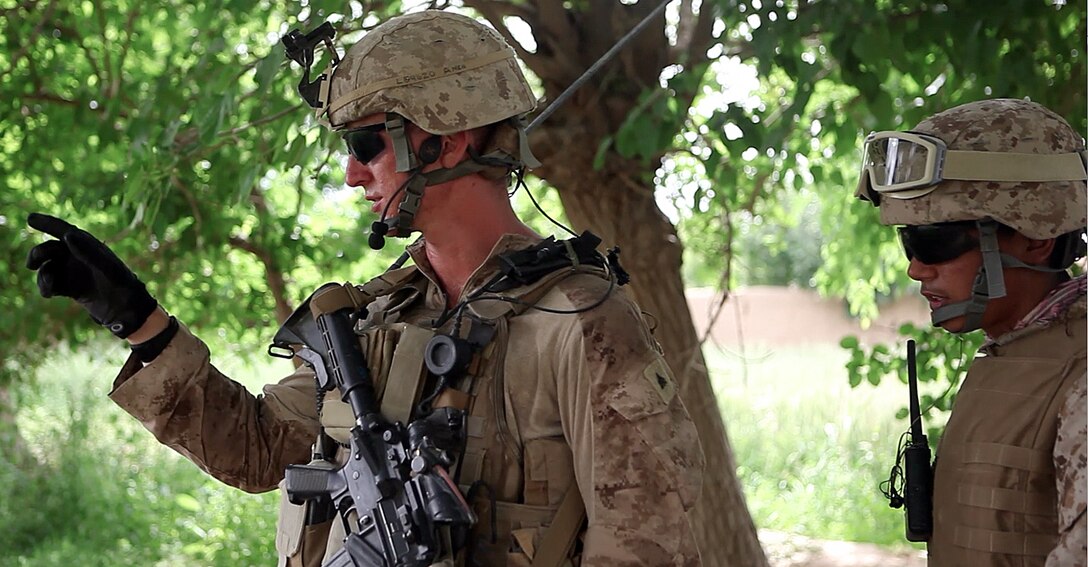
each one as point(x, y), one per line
point(173, 131)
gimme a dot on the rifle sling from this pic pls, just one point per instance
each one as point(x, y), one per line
point(559, 537)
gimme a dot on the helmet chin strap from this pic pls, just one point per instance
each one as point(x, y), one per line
point(413, 188)
point(989, 281)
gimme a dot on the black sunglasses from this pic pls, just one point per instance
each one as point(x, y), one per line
point(365, 143)
point(936, 243)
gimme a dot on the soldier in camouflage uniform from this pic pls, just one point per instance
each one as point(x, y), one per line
point(990, 200)
point(579, 449)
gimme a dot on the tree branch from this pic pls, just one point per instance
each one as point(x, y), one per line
point(494, 12)
point(263, 120)
point(15, 57)
point(189, 198)
point(101, 14)
point(115, 86)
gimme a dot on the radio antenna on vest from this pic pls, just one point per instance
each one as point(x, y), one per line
point(588, 74)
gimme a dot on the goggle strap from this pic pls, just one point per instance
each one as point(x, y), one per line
point(1012, 167)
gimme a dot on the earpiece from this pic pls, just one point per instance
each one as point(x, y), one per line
point(430, 150)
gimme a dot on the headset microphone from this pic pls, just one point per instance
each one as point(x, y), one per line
point(378, 230)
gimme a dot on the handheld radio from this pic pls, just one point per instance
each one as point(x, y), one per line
point(918, 493)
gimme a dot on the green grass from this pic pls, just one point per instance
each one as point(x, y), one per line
point(102, 491)
point(811, 451)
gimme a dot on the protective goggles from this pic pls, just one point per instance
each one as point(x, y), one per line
point(905, 165)
point(937, 243)
point(365, 143)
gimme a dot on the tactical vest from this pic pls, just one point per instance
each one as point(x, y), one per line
point(995, 501)
point(529, 509)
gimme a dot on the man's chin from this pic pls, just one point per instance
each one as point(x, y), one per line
point(954, 325)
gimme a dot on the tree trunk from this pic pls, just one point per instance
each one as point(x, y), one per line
point(622, 212)
point(617, 202)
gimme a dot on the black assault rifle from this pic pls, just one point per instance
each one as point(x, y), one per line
point(393, 494)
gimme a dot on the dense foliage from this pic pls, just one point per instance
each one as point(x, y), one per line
point(172, 130)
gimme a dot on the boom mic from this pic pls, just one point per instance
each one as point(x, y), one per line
point(378, 230)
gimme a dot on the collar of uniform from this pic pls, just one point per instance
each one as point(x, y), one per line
point(1065, 302)
point(436, 297)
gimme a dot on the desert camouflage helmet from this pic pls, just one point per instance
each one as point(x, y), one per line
point(1036, 209)
point(442, 71)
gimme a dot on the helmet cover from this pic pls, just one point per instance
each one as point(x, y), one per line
point(442, 71)
point(1038, 210)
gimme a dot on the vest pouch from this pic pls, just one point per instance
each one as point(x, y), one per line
point(297, 544)
point(518, 530)
point(549, 470)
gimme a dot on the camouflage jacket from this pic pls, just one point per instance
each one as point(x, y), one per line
point(589, 389)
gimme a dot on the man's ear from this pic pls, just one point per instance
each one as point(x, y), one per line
point(1037, 252)
point(454, 149)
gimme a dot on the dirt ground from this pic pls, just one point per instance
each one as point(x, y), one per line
point(788, 550)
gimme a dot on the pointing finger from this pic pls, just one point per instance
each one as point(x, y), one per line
point(49, 224)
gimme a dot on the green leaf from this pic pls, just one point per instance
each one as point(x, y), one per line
point(268, 67)
point(246, 181)
point(214, 116)
point(187, 502)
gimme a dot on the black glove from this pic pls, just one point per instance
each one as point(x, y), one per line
point(80, 266)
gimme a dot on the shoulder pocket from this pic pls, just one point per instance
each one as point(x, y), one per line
point(647, 394)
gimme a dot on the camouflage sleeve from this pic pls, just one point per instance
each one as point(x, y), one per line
point(637, 457)
point(1070, 464)
point(243, 440)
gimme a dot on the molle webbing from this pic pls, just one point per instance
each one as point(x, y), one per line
point(990, 541)
point(1033, 503)
point(1010, 456)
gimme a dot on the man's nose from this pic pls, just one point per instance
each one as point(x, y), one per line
point(919, 270)
point(358, 174)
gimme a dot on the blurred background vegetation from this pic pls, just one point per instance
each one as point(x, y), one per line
point(172, 130)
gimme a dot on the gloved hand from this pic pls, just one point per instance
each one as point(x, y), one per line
point(80, 266)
